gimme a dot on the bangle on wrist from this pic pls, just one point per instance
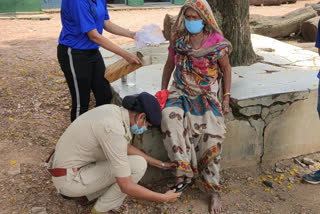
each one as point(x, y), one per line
point(226, 94)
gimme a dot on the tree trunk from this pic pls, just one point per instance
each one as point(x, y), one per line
point(256, 2)
point(289, 1)
point(272, 2)
point(168, 22)
point(281, 26)
point(233, 18)
point(309, 29)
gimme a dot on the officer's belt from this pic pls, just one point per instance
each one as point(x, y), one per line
point(58, 172)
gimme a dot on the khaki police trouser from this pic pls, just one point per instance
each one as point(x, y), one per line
point(96, 181)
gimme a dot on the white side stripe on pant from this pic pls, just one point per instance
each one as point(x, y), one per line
point(75, 82)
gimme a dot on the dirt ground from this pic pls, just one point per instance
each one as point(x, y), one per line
point(34, 112)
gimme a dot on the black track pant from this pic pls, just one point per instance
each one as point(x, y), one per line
point(84, 70)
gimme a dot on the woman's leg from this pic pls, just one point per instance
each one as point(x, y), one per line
point(209, 150)
point(77, 70)
point(176, 141)
point(100, 86)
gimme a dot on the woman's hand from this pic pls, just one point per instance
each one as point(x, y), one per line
point(171, 196)
point(132, 34)
point(132, 59)
point(225, 105)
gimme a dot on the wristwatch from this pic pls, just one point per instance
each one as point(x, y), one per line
point(162, 165)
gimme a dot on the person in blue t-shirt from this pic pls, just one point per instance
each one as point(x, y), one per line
point(314, 178)
point(83, 22)
point(318, 46)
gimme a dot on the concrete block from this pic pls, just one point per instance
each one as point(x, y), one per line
point(152, 144)
point(270, 117)
point(251, 110)
point(278, 107)
point(229, 117)
point(293, 133)
point(243, 143)
point(264, 113)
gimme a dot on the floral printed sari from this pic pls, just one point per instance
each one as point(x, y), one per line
point(192, 125)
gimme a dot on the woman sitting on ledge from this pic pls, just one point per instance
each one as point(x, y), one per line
point(192, 120)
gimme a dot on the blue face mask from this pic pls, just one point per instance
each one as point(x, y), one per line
point(194, 27)
point(135, 129)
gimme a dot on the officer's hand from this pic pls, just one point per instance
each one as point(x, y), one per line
point(171, 196)
point(170, 165)
point(132, 59)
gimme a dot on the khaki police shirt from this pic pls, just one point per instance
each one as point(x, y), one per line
point(100, 134)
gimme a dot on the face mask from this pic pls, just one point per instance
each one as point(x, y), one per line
point(194, 27)
point(135, 129)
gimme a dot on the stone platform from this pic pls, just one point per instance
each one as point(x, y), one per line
point(273, 104)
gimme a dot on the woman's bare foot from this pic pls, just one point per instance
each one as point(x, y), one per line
point(214, 204)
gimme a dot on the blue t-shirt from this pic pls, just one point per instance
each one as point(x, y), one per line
point(318, 42)
point(78, 17)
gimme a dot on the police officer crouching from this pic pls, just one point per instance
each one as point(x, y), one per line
point(94, 157)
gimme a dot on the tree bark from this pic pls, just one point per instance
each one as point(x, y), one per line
point(309, 29)
point(281, 26)
point(233, 18)
point(168, 22)
point(272, 2)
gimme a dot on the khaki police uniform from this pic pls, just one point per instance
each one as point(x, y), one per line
point(93, 150)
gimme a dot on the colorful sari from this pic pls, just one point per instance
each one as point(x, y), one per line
point(192, 124)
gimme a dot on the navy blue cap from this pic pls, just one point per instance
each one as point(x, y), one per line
point(144, 103)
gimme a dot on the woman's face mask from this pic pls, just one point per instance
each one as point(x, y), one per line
point(135, 129)
point(194, 27)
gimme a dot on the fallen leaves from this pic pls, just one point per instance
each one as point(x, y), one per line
point(9, 91)
point(281, 177)
point(13, 163)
